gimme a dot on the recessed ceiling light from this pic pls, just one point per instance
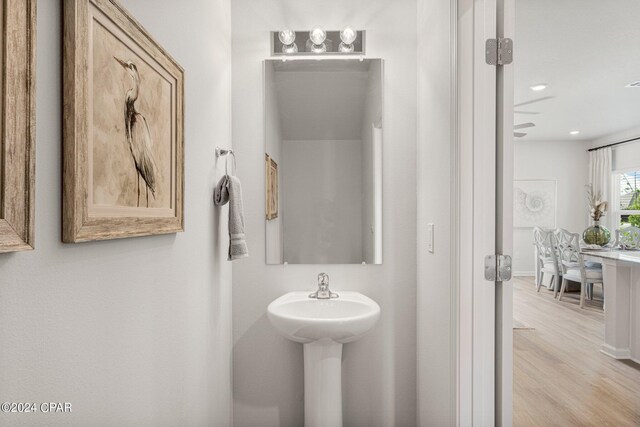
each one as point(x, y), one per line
point(574, 132)
point(538, 87)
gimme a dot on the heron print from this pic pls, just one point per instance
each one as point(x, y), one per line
point(124, 128)
point(138, 135)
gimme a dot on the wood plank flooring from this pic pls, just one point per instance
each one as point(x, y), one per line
point(560, 376)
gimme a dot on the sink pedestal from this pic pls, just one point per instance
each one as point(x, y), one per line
point(323, 384)
point(323, 326)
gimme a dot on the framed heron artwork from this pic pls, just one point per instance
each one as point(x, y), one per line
point(17, 146)
point(123, 127)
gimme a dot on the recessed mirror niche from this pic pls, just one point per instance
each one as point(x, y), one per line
point(323, 161)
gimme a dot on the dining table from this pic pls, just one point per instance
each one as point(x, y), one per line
point(621, 277)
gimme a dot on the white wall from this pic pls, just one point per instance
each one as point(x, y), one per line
point(273, 147)
point(436, 355)
point(322, 211)
point(564, 161)
point(379, 371)
point(131, 332)
point(626, 156)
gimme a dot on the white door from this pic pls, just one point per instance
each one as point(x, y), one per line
point(485, 124)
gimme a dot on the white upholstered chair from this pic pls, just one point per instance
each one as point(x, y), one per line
point(545, 242)
point(573, 265)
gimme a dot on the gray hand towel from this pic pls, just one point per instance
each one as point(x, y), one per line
point(230, 190)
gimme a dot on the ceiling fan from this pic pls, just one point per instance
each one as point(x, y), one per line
point(532, 101)
point(522, 126)
point(528, 124)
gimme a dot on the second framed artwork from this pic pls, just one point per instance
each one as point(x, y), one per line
point(123, 127)
point(271, 188)
point(534, 203)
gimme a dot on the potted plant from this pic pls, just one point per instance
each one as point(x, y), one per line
point(596, 234)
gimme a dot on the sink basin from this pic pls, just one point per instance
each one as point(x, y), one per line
point(343, 319)
point(323, 326)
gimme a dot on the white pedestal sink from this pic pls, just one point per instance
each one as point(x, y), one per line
point(322, 326)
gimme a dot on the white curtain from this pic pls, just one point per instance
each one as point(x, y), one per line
point(600, 178)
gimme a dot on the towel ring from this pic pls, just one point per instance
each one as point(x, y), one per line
point(227, 152)
point(226, 164)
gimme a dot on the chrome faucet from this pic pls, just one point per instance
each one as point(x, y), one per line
point(323, 291)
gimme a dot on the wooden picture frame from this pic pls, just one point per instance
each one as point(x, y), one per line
point(17, 147)
point(123, 133)
point(275, 190)
point(267, 186)
point(271, 188)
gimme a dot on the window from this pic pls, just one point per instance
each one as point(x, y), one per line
point(626, 198)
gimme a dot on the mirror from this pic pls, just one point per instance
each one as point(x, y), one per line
point(323, 161)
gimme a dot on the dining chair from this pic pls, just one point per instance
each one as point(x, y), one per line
point(628, 237)
point(547, 258)
point(565, 237)
point(574, 268)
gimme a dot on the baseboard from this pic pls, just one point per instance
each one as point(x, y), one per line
point(524, 273)
point(616, 353)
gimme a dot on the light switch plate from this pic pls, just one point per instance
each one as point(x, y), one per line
point(430, 230)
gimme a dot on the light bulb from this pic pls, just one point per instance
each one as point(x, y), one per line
point(346, 48)
point(348, 35)
point(317, 36)
point(319, 48)
point(291, 48)
point(287, 37)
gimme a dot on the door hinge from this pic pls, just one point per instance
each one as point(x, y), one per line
point(499, 51)
point(497, 268)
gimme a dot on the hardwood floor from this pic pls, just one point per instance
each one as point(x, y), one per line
point(560, 376)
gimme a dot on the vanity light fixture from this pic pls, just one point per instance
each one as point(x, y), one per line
point(288, 37)
point(574, 132)
point(538, 87)
point(318, 41)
